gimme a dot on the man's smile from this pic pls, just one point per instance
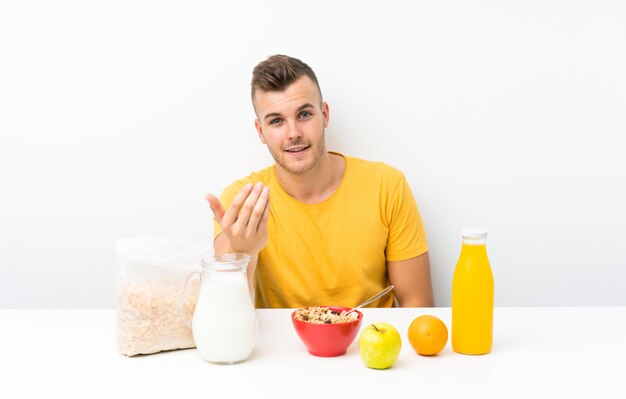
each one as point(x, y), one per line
point(297, 149)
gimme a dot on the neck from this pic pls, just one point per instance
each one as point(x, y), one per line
point(317, 184)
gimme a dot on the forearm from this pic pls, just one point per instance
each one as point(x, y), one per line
point(418, 300)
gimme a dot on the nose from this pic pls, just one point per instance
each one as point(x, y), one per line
point(293, 132)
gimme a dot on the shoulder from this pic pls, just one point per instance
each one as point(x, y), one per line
point(374, 170)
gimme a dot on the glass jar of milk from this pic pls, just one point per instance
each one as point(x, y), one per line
point(224, 323)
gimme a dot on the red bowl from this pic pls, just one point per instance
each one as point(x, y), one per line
point(327, 340)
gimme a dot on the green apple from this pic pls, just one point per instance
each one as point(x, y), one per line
point(379, 345)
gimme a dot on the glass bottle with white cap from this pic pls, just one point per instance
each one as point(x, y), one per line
point(472, 296)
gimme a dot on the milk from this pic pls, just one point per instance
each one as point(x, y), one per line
point(224, 322)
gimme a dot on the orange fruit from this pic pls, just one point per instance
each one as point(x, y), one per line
point(428, 335)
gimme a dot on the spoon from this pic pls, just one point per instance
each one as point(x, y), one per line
point(372, 299)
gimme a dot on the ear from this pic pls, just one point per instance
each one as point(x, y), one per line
point(325, 113)
point(257, 126)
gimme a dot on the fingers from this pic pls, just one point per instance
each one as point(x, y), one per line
point(248, 207)
point(244, 222)
point(231, 214)
point(216, 207)
point(258, 211)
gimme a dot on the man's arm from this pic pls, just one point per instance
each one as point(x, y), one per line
point(412, 280)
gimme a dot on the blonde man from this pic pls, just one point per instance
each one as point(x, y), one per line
point(338, 229)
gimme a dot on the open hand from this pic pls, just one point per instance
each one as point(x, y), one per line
point(245, 221)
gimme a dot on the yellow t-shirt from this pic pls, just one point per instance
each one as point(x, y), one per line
point(335, 252)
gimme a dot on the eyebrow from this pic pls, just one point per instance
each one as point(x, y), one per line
point(300, 108)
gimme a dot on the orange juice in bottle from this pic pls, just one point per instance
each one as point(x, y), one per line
point(472, 296)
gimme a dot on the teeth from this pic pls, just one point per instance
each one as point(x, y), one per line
point(297, 149)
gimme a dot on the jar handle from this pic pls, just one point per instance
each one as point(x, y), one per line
point(181, 306)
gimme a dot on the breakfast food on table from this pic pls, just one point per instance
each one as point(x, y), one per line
point(379, 345)
point(324, 315)
point(428, 335)
point(148, 319)
point(326, 331)
point(472, 296)
point(149, 299)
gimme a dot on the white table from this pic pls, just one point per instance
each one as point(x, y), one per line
point(538, 352)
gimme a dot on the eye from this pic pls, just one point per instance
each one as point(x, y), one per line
point(305, 115)
point(275, 121)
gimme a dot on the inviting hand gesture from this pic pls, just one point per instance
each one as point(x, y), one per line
point(244, 223)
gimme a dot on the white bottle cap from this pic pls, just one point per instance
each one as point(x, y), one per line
point(474, 236)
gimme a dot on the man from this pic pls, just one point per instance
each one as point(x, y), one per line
point(339, 229)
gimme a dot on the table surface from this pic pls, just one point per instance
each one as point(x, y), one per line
point(537, 352)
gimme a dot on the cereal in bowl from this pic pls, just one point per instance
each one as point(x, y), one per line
point(324, 315)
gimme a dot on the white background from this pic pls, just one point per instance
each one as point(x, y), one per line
point(117, 116)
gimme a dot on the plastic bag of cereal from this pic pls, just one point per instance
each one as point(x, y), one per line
point(149, 287)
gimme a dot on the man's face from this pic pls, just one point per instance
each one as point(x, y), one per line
point(291, 123)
